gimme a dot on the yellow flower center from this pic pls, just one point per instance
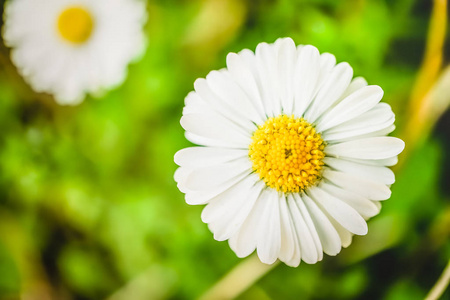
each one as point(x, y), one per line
point(75, 24)
point(287, 153)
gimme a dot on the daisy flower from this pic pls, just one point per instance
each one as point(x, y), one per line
point(293, 156)
point(72, 47)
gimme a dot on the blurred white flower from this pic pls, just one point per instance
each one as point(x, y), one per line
point(72, 47)
point(295, 155)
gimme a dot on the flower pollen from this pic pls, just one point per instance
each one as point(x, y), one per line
point(75, 24)
point(287, 153)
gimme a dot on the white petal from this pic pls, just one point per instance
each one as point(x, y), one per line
point(286, 61)
point(198, 157)
point(388, 162)
point(351, 107)
point(180, 176)
point(240, 67)
point(195, 104)
point(306, 78)
point(200, 140)
point(343, 213)
point(366, 188)
point(376, 173)
point(368, 148)
point(287, 233)
point(345, 235)
point(204, 196)
point(377, 204)
point(363, 206)
point(226, 212)
point(381, 111)
point(356, 84)
point(237, 104)
point(328, 235)
point(216, 109)
point(210, 177)
point(268, 84)
point(217, 128)
point(193, 98)
point(306, 241)
point(226, 202)
point(210, 90)
point(378, 118)
point(243, 242)
point(269, 235)
point(378, 133)
point(334, 85)
point(310, 224)
point(327, 63)
point(296, 257)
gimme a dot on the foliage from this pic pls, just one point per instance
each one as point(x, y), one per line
point(88, 205)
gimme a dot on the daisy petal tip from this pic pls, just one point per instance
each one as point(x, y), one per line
point(220, 238)
point(176, 157)
point(361, 230)
point(397, 144)
point(184, 121)
point(310, 49)
point(261, 47)
point(231, 58)
point(198, 84)
point(310, 261)
point(243, 253)
point(375, 90)
point(286, 41)
point(292, 264)
point(333, 253)
point(401, 145)
point(345, 66)
point(266, 259)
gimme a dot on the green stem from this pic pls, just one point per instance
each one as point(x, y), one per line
point(440, 286)
point(239, 279)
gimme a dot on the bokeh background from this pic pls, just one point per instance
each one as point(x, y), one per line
point(88, 205)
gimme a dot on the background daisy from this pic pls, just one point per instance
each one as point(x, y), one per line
point(72, 47)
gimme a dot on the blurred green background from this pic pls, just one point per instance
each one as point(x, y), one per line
point(88, 205)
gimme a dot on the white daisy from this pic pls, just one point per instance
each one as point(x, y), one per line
point(294, 155)
point(72, 47)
